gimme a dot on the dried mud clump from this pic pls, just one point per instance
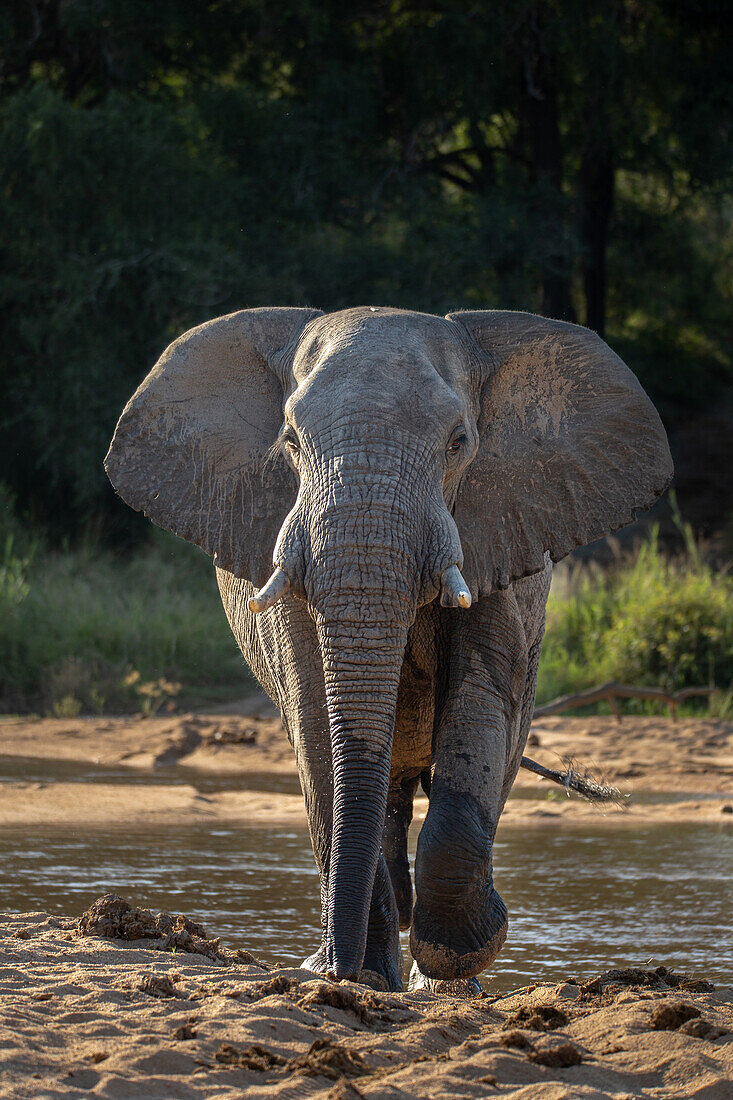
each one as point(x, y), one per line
point(278, 986)
point(556, 1055)
point(537, 1018)
point(365, 1006)
point(702, 1029)
point(686, 1018)
point(254, 1057)
point(660, 978)
point(158, 985)
point(344, 1090)
point(515, 1040)
point(113, 918)
point(328, 1059)
point(695, 985)
point(185, 1032)
point(231, 735)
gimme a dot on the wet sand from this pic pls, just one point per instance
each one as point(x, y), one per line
point(81, 1015)
point(687, 763)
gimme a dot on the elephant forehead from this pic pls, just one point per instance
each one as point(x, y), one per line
point(393, 363)
point(357, 339)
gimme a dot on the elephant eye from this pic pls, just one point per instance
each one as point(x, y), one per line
point(290, 441)
point(456, 444)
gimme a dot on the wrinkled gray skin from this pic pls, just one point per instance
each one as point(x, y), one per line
point(492, 441)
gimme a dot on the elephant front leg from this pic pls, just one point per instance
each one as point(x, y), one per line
point(460, 921)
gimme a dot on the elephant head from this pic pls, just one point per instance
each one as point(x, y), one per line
point(377, 458)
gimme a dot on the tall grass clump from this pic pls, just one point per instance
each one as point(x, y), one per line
point(85, 631)
point(649, 619)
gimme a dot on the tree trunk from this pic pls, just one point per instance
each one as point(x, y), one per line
point(596, 207)
point(541, 123)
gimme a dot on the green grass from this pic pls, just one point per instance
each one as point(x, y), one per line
point(648, 619)
point(83, 631)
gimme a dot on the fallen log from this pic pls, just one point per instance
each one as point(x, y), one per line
point(610, 692)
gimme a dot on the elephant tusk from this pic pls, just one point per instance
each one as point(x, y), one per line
point(453, 589)
point(275, 588)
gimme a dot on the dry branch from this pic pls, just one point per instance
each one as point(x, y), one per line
point(583, 783)
point(610, 692)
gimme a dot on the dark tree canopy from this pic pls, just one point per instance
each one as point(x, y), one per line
point(164, 163)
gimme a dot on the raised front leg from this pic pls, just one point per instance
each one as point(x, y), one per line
point(282, 648)
point(460, 920)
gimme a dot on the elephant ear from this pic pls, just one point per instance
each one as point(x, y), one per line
point(571, 448)
point(192, 449)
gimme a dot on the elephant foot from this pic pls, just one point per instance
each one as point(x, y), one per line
point(383, 964)
point(452, 945)
point(316, 962)
point(377, 981)
point(383, 977)
point(443, 987)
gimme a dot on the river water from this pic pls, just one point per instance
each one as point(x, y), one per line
point(579, 902)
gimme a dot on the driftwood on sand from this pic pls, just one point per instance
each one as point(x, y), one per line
point(611, 691)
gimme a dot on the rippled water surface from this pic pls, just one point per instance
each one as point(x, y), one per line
point(578, 902)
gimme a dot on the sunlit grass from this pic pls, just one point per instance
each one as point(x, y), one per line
point(648, 619)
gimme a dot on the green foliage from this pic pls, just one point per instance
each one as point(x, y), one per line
point(95, 632)
point(108, 255)
point(673, 624)
point(648, 620)
point(16, 554)
point(13, 584)
point(161, 164)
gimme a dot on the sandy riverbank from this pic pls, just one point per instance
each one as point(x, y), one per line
point(81, 1016)
point(687, 763)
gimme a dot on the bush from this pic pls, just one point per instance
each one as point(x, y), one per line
point(648, 620)
point(673, 626)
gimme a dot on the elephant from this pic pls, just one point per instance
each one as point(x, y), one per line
point(410, 479)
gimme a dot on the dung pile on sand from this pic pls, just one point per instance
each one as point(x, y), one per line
point(113, 918)
point(95, 1007)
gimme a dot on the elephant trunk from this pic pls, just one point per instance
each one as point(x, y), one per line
point(362, 665)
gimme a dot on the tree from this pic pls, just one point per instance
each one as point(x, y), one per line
point(163, 163)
